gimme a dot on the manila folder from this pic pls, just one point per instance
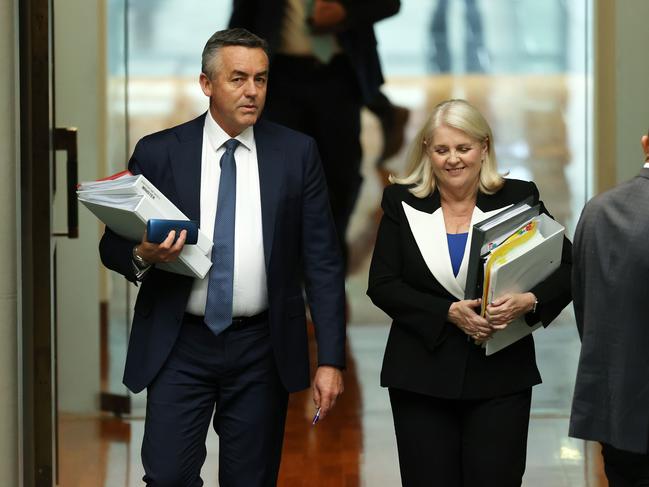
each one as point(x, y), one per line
point(521, 274)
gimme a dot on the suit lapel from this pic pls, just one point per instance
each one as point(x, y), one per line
point(271, 166)
point(429, 231)
point(185, 160)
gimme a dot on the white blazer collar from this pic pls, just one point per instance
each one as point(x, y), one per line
point(429, 231)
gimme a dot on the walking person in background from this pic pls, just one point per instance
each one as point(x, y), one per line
point(325, 67)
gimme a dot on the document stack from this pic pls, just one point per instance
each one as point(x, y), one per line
point(125, 202)
point(511, 253)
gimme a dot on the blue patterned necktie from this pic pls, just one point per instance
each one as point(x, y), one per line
point(218, 309)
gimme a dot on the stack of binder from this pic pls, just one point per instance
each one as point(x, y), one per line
point(512, 252)
point(125, 202)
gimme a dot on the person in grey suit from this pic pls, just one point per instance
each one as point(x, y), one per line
point(610, 293)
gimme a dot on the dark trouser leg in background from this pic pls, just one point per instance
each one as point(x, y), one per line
point(625, 468)
point(324, 102)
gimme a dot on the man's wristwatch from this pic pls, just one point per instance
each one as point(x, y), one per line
point(139, 261)
point(536, 302)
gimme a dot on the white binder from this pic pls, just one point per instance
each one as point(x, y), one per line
point(523, 269)
point(127, 203)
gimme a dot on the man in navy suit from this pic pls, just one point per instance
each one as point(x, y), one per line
point(232, 345)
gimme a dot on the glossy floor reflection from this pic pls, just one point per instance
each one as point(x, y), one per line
point(354, 447)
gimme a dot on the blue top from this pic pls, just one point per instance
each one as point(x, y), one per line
point(456, 244)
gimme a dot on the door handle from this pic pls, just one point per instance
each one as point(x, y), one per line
point(65, 139)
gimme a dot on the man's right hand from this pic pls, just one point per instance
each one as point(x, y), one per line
point(167, 251)
point(327, 16)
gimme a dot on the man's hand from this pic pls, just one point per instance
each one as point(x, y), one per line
point(503, 310)
point(167, 251)
point(327, 386)
point(327, 16)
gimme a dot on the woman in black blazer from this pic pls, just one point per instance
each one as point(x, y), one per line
point(460, 417)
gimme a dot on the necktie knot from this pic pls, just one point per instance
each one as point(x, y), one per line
point(231, 145)
point(228, 157)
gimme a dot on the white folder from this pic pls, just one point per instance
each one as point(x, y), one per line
point(127, 203)
point(523, 269)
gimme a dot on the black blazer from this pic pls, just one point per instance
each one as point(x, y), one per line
point(265, 17)
point(299, 243)
point(412, 281)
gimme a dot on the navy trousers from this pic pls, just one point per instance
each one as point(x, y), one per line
point(230, 378)
point(461, 442)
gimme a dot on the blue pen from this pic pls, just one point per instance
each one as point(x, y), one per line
point(316, 418)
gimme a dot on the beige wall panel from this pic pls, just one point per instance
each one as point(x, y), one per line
point(8, 257)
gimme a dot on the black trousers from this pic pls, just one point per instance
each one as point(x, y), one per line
point(625, 468)
point(231, 378)
point(461, 443)
point(323, 101)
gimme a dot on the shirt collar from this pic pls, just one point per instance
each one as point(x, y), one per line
point(217, 136)
point(646, 164)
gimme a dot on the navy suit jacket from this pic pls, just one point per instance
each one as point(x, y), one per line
point(299, 245)
point(356, 36)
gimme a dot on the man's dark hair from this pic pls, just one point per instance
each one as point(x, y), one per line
point(228, 37)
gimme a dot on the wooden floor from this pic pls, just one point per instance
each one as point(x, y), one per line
point(353, 447)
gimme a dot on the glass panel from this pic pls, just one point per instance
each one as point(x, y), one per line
point(524, 65)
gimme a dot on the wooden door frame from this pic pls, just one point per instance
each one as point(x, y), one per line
point(37, 296)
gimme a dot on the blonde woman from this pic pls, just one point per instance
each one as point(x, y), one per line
point(460, 417)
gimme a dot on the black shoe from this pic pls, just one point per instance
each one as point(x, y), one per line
point(393, 125)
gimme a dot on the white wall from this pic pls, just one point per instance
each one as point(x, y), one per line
point(621, 109)
point(632, 84)
point(8, 257)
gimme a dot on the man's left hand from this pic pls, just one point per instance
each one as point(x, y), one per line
point(327, 16)
point(327, 386)
point(507, 308)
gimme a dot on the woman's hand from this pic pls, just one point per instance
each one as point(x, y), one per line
point(507, 308)
point(462, 314)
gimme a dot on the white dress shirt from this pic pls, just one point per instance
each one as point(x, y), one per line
point(250, 294)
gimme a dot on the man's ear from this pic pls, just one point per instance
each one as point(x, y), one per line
point(206, 84)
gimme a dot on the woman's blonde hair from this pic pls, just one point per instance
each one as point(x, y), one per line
point(461, 115)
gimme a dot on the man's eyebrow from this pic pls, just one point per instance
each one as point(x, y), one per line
point(236, 72)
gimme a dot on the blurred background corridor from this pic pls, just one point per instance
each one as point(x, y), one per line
point(526, 64)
